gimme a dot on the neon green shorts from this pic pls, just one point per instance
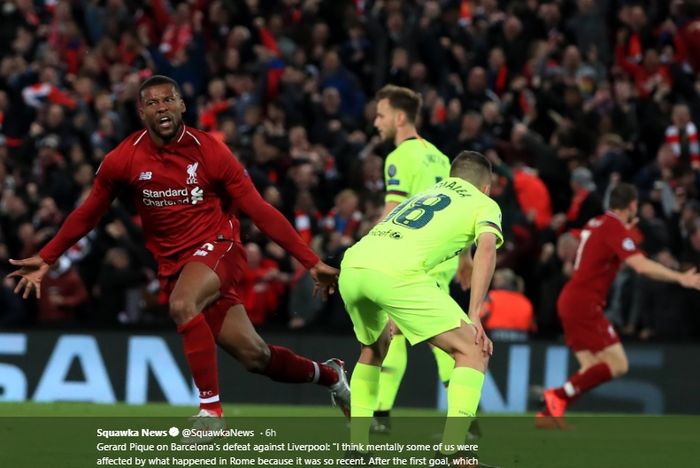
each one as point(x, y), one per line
point(416, 304)
point(444, 273)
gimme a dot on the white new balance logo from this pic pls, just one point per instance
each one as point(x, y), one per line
point(204, 250)
point(146, 175)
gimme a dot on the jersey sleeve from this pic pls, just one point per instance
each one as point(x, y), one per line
point(489, 220)
point(397, 180)
point(83, 219)
point(246, 198)
point(620, 240)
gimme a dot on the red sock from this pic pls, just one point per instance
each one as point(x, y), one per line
point(200, 350)
point(287, 366)
point(582, 382)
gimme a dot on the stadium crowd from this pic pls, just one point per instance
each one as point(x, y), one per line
point(566, 98)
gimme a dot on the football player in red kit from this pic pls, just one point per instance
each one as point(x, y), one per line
point(186, 185)
point(605, 244)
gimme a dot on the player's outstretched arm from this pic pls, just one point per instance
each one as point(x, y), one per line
point(484, 266)
point(656, 271)
point(31, 271)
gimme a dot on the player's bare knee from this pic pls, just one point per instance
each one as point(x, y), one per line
point(181, 310)
point(370, 355)
point(255, 356)
point(471, 355)
point(381, 347)
point(619, 367)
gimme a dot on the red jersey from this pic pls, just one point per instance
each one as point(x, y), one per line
point(184, 193)
point(605, 243)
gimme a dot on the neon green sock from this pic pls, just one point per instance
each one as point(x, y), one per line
point(463, 397)
point(393, 368)
point(445, 364)
point(364, 385)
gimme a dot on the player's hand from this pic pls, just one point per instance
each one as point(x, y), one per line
point(325, 279)
point(482, 339)
point(690, 279)
point(31, 272)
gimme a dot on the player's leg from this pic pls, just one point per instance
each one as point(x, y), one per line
point(237, 336)
point(364, 386)
point(444, 275)
point(616, 359)
point(464, 391)
point(371, 328)
point(196, 287)
point(393, 370)
point(424, 312)
point(598, 350)
point(595, 369)
point(394, 366)
point(445, 365)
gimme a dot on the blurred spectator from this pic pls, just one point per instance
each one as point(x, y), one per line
point(507, 314)
point(118, 289)
point(343, 221)
point(63, 294)
point(682, 137)
point(261, 285)
point(554, 268)
point(533, 197)
point(585, 204)
point(11, 308)
point(658, 310)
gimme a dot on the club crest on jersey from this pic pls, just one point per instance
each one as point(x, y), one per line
point(192, 173)
point(628, 244)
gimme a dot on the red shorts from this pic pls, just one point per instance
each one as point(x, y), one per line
point(228, 260)
point(585, 326)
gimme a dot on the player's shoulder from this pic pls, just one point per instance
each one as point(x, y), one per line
point(202, 138)
point(209, 145)
point(120, 156)
point(481, 199)
point(602, 221)
point(131, 142)
point(606, 222)
point(400, 155)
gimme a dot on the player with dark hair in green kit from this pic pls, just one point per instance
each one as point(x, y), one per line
point(387, 274)
point(415, 165)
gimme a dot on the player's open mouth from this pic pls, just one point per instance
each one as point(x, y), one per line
point(165, 123)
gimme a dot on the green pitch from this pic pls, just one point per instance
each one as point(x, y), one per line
point(65, 435)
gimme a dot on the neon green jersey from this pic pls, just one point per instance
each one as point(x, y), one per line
point(427, 229)
point(415, 165)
